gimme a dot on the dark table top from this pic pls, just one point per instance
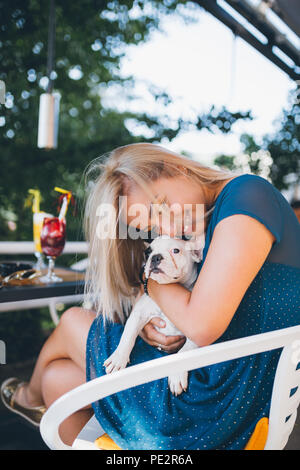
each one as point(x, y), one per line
point(17, 293)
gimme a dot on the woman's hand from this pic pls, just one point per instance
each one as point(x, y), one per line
point(149, 333)
point(169, 344)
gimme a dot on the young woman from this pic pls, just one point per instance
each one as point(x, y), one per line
point(248, 283)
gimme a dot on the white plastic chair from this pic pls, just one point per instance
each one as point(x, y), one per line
point(282, 404)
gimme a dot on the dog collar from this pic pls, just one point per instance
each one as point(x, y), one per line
point(145, 283)
point(141, 274)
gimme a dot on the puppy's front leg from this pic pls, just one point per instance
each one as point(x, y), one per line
point(120, 357)
point(179, 382)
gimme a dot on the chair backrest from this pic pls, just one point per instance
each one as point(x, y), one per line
point(285, 397)
point(283, 404)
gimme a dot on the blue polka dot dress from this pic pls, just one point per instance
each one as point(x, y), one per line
point(223, 402)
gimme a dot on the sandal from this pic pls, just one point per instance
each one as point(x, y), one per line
point(33, 414)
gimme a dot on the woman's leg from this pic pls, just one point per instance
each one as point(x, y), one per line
point(67, 343)
point(59, 377)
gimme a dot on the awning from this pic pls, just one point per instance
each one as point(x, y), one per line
point(264, 33)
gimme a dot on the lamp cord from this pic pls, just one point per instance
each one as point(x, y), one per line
point(51, 45)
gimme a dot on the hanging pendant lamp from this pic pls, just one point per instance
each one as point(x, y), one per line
point(49, 101)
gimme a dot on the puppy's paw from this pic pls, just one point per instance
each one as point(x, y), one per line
point(115, 362)
point(178, 383)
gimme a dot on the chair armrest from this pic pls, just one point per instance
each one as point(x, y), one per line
point(139, 374)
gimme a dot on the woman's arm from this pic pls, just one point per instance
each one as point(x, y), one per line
point(170, 343)
point(238, 249)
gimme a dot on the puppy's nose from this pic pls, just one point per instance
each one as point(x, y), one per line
point(156, 259)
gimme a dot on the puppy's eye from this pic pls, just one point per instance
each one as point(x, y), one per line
point(176, 250)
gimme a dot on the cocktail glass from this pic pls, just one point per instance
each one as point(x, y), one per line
point(53, 238)
point(38, 219)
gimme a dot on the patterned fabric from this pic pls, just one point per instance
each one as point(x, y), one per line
point(224, 401)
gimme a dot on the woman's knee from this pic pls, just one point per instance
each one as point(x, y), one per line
point(71, 315)
point(74, 316)
point(72, 332)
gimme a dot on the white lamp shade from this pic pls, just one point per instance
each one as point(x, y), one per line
point(48, 120)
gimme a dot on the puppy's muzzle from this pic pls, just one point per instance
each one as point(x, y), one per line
point(155, 260)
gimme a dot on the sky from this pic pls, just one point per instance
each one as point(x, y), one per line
point(200, 65)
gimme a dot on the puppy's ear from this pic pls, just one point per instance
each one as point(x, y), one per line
point(197, 255)
point(196, 246)
point(147, 249)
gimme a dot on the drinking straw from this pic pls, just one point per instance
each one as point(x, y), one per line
point(65, 203)
point(36, 200)
point(38, 216)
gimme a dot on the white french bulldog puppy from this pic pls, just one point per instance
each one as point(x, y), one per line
point(169, 260)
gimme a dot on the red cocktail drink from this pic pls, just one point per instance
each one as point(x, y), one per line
point(53, 238)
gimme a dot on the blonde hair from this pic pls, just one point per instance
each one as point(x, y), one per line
point(112, 277)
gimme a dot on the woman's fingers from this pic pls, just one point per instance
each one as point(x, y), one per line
point(158, 339)
point(159, 336)
point(157, 321)
point(174, 347)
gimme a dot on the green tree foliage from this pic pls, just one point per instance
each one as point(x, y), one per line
point(280, 150)
point(284, 146)
point(91, 36)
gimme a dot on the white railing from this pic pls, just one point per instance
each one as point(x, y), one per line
point(18, 248)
